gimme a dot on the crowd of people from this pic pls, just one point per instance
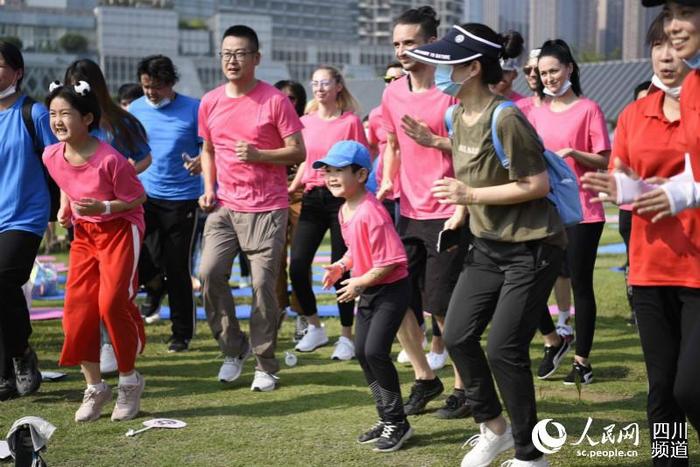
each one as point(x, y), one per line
point(437, 205)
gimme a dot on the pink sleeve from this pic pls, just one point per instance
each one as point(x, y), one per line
point(288, 121)
point(127, 186)
point(387, 123)
point(372, 131)
point(203, 124)
point(386, 247)
point(599, 140)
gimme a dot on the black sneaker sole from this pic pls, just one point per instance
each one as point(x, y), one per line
point(462, 412)
point(398, 445)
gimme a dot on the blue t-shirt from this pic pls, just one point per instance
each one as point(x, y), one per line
point(142, 150)
point(172, 130)
point(24, 196)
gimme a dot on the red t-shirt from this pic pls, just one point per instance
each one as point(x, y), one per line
point(320, 135)
point(263, 118)
point(420, 166)
point(582, 126)
point(666, 253)
point(106, 176)
point(372, 241)
point(690, 118)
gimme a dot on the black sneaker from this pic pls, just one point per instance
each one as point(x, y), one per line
point(393, 436)
point(422, 392)
point(583, 373)
point(27, 374)
point(552, 358)
point(455, 407)
point(178, 344)
point(8, 389)
point(371, 435)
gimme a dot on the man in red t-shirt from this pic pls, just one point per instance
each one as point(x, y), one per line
point(250, 132)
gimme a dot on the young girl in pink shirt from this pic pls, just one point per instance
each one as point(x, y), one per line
point(102, 197)
point(379, 268)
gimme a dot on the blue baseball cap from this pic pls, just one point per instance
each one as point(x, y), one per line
point(345, 153)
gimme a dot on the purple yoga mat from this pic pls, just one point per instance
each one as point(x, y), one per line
point(41, 314)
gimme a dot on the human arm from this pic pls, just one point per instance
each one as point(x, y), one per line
point(293, 152)
point(419, 132)
point(452, 191)
point(588, 159)
point(296, 182)
point(208, 199)
point(457, 219)
point(64, 211)
point(354, 286)
point(392, 162)
point(335, 271)
point(142, 164)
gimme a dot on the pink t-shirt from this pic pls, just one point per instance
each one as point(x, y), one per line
point(263, 118)
point(580, 127)
point(372, 241)
point(106, 176)
point(376, 135)
point(320, 135)
point(420, 166)
point(526, 104)
point(514, 96)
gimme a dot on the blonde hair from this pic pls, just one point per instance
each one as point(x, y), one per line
point(346, 101)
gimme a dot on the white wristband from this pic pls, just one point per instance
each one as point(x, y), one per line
point(629, 189)
point(108, 208)
point(682, 195)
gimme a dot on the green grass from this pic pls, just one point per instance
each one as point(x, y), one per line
point(321, 405)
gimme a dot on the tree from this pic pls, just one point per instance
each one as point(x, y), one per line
point(14, 40)
point(73, 42)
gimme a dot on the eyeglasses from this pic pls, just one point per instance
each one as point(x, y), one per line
point(389, 79)
point(529, 69)
point(323, 84)
point(238, 55)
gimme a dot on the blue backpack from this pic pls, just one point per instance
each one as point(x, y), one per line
point(563, 187)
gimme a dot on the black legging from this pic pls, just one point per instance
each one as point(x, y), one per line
point(581, 252)
point(625, 229)
point(319, 212)
point(380, 312)
point(17, 252)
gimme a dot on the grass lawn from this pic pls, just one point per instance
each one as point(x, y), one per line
point(321, 405)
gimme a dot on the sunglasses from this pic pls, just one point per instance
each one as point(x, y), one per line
point(529, 69)
point(389, 79)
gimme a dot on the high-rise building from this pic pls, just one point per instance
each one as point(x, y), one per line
point(637, 21)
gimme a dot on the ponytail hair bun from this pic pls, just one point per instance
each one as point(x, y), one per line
point(425, 16)
point(513, 43)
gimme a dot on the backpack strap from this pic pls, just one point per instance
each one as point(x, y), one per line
point(37, 144)
point(449, 118)
point(497, 145)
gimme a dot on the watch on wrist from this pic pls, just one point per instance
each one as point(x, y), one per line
point(108, 208)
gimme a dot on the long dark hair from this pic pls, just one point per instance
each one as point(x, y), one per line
point(115, 120)
point(13, 58)
point(512, 46)
point(84, 103)
point(297, 91)
point(560, 50)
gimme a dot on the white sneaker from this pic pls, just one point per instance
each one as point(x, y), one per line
point(108, 361)
point(264, 382)
point(344, 349)
point(541, 462)
point(436, 361)
point(487, 446)
point(314, 338)
point(154, 318)
point(402, 358)
point(231, 368)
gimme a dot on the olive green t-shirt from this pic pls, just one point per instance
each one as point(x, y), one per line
point(477, 165)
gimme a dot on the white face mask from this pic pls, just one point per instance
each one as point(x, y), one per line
point(11, 89)
point(564, 87)
point(160, 104)
point(673, 92)
point(693, 63)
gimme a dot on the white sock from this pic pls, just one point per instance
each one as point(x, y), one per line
point(563, 316)
point(101, 386)
point(129, 380)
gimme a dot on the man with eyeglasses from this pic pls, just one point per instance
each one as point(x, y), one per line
point(251, 133)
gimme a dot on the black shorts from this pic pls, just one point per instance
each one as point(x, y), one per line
point(433, 275)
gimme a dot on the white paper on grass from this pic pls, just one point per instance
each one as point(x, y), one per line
point(158, 423)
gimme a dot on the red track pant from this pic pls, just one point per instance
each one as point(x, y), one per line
point(102, 285)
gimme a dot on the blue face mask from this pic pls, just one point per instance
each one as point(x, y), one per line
point(443, 80)
point(694, 62)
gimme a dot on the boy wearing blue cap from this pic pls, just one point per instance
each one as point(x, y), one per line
point(377, 259)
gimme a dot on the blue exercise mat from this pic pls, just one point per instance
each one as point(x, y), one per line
point(612, 249)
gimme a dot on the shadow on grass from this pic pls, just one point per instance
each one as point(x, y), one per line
point(341, 399)
point(588, 402)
